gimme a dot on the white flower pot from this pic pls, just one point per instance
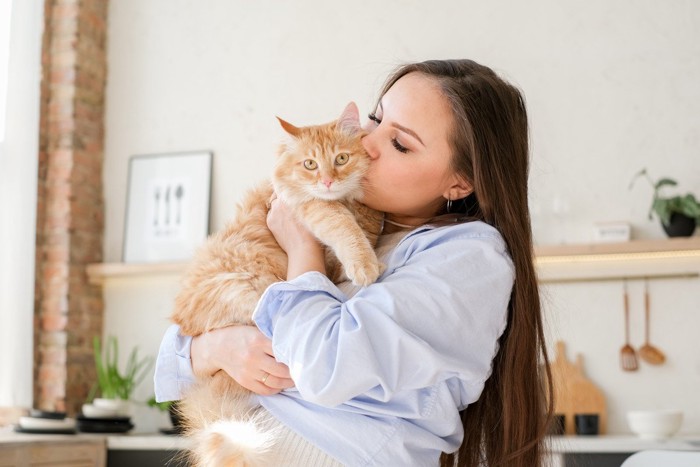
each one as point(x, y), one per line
point(120, 407)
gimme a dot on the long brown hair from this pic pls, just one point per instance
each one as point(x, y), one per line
point(489, 140)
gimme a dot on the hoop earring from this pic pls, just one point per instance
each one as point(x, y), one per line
point(449, 205)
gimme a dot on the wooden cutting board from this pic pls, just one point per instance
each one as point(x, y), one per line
point(573, 392)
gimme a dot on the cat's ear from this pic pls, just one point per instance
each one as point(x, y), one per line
point(350, 119)
point(289, 128)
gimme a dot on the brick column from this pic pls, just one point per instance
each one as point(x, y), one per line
point(68, 310)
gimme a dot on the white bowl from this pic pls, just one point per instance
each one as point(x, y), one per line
point(31, 423)
point(95, 411)
point(654, 424)
point(117, 406)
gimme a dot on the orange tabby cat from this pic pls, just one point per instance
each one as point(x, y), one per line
point(319, 173)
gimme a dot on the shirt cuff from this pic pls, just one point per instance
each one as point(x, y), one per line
point(173, 372)
point(270, 303)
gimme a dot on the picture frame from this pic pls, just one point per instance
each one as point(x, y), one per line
point(167, 207)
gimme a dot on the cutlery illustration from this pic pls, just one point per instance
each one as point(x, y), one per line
point(157, 210)
point(179, 191)
point(167, 205)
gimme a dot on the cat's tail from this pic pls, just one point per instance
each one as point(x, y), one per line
point(239, 443)
point(224, 428)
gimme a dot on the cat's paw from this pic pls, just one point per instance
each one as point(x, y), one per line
point(365, 273)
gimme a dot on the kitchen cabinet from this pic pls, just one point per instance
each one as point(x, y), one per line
point(610, 450)
point(55, 450)
point(146, 450)
point(145, 458)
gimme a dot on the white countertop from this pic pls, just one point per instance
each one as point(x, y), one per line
point(10, 437)
point(146, 442)
point(558, 444)
point(620, 443)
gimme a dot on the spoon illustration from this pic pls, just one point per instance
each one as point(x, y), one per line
point(157, 210)
point(167, 205)
point(179, 191)
point(648, 352)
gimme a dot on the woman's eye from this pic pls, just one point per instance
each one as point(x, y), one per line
point(342, 158)
point(310, 164)
point(398, 146)
point(374, 118)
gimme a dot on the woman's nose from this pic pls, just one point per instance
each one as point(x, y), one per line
point(370, 147)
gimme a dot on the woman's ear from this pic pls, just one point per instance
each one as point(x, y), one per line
point(460, 188)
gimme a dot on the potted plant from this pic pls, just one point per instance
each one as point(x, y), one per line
point(171, 408)
point(115, 388)
point(678, 214)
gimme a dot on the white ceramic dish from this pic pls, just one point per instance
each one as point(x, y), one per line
point(31, 423)
point(95, 411)
point(118, 406)
point(654, 424)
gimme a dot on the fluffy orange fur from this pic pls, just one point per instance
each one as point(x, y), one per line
point(319, 173)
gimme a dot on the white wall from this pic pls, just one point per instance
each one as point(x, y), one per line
point(5, 15)
point(611, 87)
point(18, 184)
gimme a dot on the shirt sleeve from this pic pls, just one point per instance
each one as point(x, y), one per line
point(173, 373)
point(435, 314)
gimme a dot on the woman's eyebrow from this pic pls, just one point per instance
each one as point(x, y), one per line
point(409, 131)
point(401, 127)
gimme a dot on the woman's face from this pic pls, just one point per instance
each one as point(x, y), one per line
point(410, 176)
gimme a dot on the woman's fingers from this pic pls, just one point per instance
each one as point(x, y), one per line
point(275, 382)
point(262, 373)
point(274, 374)
point(246, 355)
point(265, 383)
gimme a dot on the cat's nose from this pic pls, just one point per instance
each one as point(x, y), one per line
point(327, 182)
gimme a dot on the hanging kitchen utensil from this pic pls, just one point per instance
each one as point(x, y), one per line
point(648, 352)
point(628, 356)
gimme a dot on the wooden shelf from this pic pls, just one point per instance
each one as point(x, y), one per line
point(674, 258)
point(685, 244)
point(99, 272)
point(550, 260)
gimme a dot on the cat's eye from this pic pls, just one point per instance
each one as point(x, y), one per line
point(342, 158)
point(310, 164)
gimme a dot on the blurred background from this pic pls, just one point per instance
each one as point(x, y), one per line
point(611, 87)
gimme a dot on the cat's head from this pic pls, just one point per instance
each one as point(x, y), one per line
point(323, 161)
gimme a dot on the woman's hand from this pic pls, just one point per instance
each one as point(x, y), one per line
point(245, 354)
point(304, 252)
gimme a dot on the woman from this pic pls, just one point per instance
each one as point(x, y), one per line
point(442, 353)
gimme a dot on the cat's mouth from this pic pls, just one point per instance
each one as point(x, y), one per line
point(330, 194)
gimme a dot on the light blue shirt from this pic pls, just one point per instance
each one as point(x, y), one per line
point(382, 375)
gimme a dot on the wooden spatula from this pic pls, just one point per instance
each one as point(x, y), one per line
point(648, 352)
point(628, 357)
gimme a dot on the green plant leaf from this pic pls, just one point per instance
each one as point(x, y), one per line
point(665, 207)
point(689, 206)
point(111, 381)
point(662, 209)
point(641, 173)
point(162, 406)
point(665, 182)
